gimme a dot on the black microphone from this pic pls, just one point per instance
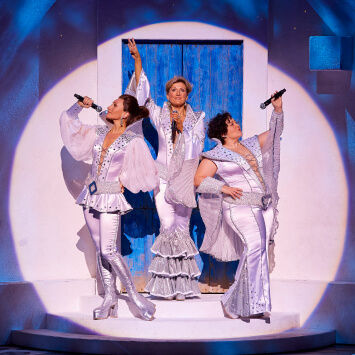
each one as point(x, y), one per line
point(276, 96)
point(173, 128)
point(94, 106)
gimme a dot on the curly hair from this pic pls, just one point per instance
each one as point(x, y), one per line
point(217, 127)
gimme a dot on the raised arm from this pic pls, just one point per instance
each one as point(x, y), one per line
point(139, 86)
point(77, 137)
point(277, 104)
point(206, 183)
point(137, 58)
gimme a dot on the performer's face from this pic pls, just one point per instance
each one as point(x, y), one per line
point(177, 94)
point(233, 129)
point(115, 110)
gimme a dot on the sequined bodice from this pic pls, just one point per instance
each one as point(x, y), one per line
point(243, 169)
point(251, 160)
point(107, 165)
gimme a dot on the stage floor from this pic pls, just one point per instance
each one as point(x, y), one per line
point(338, 349)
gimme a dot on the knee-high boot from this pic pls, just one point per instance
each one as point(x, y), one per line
point(145, 307)
point(109, 231)
point(109, 304)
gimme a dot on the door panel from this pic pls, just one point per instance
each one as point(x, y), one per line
point(216, 71)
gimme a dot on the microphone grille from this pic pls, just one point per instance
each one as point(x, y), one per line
point(98, 108)
point(262, 106)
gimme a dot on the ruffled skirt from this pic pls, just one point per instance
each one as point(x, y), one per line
point(104, 202)
point(174, 269)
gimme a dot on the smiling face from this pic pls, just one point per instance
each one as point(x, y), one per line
point(233, 129)
point(115, 110)
point(177, 94)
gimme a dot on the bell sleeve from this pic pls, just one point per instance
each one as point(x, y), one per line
point(142, 93)
point(194, 139)
point(77, 137)
point(139, 171)
point(271, 168)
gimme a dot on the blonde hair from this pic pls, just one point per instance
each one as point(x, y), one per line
point(178, 79)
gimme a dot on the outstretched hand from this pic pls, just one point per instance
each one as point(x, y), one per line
point(133, 49)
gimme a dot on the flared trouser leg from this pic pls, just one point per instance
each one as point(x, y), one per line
point(110, 229)
point(173, 270)
point(250, 292)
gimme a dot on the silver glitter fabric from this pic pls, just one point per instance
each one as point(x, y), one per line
point(174, 269)
point(210, 185)
point(250, 199)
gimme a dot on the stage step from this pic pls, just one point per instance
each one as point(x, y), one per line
point(172, 328)
point(294, 340)
point(189, 319)
point(206, 306)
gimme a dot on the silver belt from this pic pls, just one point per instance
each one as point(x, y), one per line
point(104, 187)
point(251, 199)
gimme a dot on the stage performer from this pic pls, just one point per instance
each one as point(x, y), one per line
point(238, 204)
point(173, 271)
point(121, 159)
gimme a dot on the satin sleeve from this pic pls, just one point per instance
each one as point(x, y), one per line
point(142, 93)
point(194, 139)
point(139, 171)
point(77, 137)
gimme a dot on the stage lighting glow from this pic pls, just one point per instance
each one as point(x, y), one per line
point(47, 225)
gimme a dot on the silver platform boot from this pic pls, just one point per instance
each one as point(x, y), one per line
point(109, 304)
point(145, 307)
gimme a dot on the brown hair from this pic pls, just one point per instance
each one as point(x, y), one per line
point(136, 112)
point(178, 79)
point(217, 127)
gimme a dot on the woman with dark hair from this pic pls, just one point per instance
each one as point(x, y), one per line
point(238, 204)
point(121, 159)
point(181, 135)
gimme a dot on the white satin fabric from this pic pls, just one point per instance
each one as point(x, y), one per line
point(174, 269)
point(127, 161)
point(245, 238)
point(243, 231)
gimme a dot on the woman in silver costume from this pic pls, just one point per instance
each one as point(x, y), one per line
point(121, 159)
point(180, 130)
point(238, 204)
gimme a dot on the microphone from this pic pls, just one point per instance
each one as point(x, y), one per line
point(173, 128)
point(94, 106)
point(103, 114)
point(276, 96)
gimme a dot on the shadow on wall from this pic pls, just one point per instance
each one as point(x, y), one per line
point(336, 311)
point(16, 313)
point(74, 174)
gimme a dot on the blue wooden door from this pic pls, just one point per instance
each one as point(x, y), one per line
point(215, 68)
